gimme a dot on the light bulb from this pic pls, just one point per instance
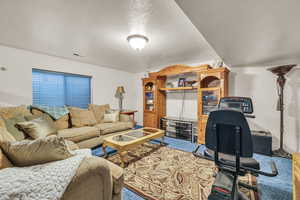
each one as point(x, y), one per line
point(137, 42)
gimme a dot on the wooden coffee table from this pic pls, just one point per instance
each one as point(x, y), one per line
point(130, 139)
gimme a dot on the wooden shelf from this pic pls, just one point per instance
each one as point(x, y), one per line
point(210, 89)
point(177, 88)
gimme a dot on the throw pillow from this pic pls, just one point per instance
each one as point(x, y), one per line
point(5, 135)
point(33, 152)
point(11, 127)
point(99, 111)
point(111, 117)
point(39, 127)
point(82, 117)
point(44, 115)
point(61, 123)
point(2, 122)
point(4, 162)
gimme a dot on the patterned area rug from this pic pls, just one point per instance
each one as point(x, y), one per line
point(163, 173)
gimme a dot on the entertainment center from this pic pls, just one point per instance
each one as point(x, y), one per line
point(211, 85)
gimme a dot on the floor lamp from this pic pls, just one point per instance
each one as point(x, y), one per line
point(280, 72)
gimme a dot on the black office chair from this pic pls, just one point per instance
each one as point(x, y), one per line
point(229, 142)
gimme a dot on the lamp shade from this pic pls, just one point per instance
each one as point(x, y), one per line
point(120, 90)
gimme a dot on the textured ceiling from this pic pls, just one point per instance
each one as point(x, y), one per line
point(97, 29)
point(247, 32)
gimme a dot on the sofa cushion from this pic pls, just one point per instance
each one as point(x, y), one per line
point(106, 128)
point(99, 111)
point(9, 112)
point(82, 117)
point(61, 123)
point(40, 127)
point(79, 134)
point(2, 123)
point(111, 117)
point(5, 135)
point(33, 152)
point(4, 162)
point(11, 127)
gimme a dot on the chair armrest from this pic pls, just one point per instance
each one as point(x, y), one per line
point(117, 176)
point(93, 180)
point(125, 118)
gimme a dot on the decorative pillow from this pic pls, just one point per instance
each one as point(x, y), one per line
point(4, 162)
point(38, 128)
point(110, 111)
point(11, 127)
point(61, 123)
point(44, 115)
point(33, 152)
point(82, 117)
point(2, 123)
point(111, 117)
point(5, 135)
point(99, 111)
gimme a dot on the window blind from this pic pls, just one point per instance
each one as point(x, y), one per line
point(59, 89)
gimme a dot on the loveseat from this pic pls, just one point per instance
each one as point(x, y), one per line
point(96, 178)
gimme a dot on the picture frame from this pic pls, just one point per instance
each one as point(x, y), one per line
point(181, 82)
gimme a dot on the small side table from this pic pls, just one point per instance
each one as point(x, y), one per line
point(129, 112)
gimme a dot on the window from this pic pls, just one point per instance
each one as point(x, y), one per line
point(59, 89)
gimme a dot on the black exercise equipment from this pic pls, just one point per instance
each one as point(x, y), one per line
point(262, 139)
point(229, 143)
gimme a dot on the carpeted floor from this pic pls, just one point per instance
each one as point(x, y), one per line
point(276, 188)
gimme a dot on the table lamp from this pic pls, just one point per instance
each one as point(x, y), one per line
point(119, 94)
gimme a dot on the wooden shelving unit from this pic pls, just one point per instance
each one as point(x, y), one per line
point(212, 85)
point(177, 88)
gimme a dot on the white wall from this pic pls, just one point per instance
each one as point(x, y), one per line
point(259, 84)
point(16, 88)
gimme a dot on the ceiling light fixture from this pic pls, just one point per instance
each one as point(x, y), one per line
point(137, 42)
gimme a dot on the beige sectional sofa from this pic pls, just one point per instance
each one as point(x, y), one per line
point(96, 178)
point(90, 136)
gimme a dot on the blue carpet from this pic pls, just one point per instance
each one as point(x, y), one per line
point(276, 188)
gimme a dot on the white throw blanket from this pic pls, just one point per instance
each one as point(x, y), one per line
point(40, 182)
